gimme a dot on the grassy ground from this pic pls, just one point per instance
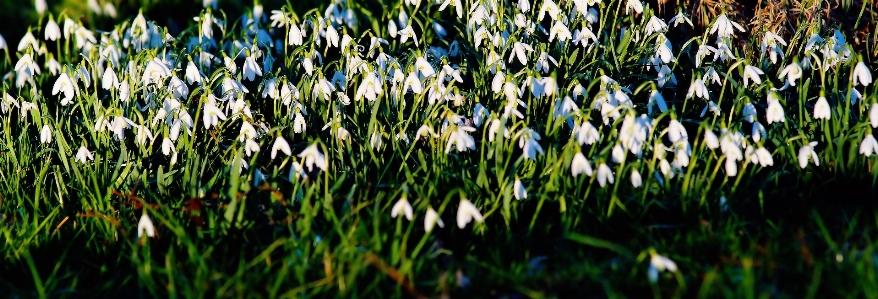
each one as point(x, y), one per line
point(283, 228)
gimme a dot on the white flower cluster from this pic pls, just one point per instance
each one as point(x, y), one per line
point(301, 72)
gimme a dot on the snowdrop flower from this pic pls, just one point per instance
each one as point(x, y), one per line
point(635, 5)
point(807, 152)
point(770, 41)
point(518, 189)
point(143, 135)
point(862, 75)
point(724, 27)
point(251, 68)
point(655, 25)
point(467, 212)
point(84, 155)
point(587, 134)
point(145, 226)
point(697, 88)
point(550, 7)
point(425, 130)
point(518, 50)
point(406, 33)
point(580, 165)
point(212, 114)
point(109, 80)
point(658, 263)
point(168, 146)
point(40, 6)
point(636, 180)
point(423, 67)
point(313, 157)
point(458, 6)
point(676, 131)
point(752, 73)
point(869, 145)
point(155, 72)
point(821, 109)
point(560, 30)
point(758, 131)
point(28, 41)
point(375, 141)
point(46, 134)
point(759, 156)
point(604, 175)
point(431, 220)
point(774, 113)
point(873, 115)
point(656, 99)
point(680, 18)
point(52, 31)
point(461, 139)
point(792, 72)
point(529, 145)
point(710, 139)
point(280, 144)
point(64, 85)
point(543, 63)
point(402, 206)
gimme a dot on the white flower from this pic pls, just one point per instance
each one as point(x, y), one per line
point(680, 18)
point(710, 139)
point(862, 75)
point(402, 206)
point(467, 212)
point(109, 80)
point(873, 115)
point(457, 5)
point(807, 152)
point(212, 114)
point(519, 190)
point(635, 5)
point(251, 68)
point(724, 27)
point(658, 263)
point(550, 7)
point(46, 134)
point(676, 131)
point(580, 165)
point(143, 135)
point(752, 73)
point(529, 145)
point(312, 157)
point(145, 226)
point(761, 156)
point(52, 31)
point(461, 139)
point(178, 89)
point(84, 155)
point(40, 6)
point(697, 88)
point(587, 134)
point(431, 219)
point(869, 145)
point(636, 180)
point(792, 72)
point(423, 67)
point(774, 113)
point(655, 98)
point(168, 146)
point(280, 144)
point(155, 72)
point(64, 84)
point(518, 50)
point(406, 33)
point(560, 30)
point(28, 41)
point(821, 109)
point(605, 175)
point(425, 130)
point(758, 131)
point(655, 25)
point(251, 146)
